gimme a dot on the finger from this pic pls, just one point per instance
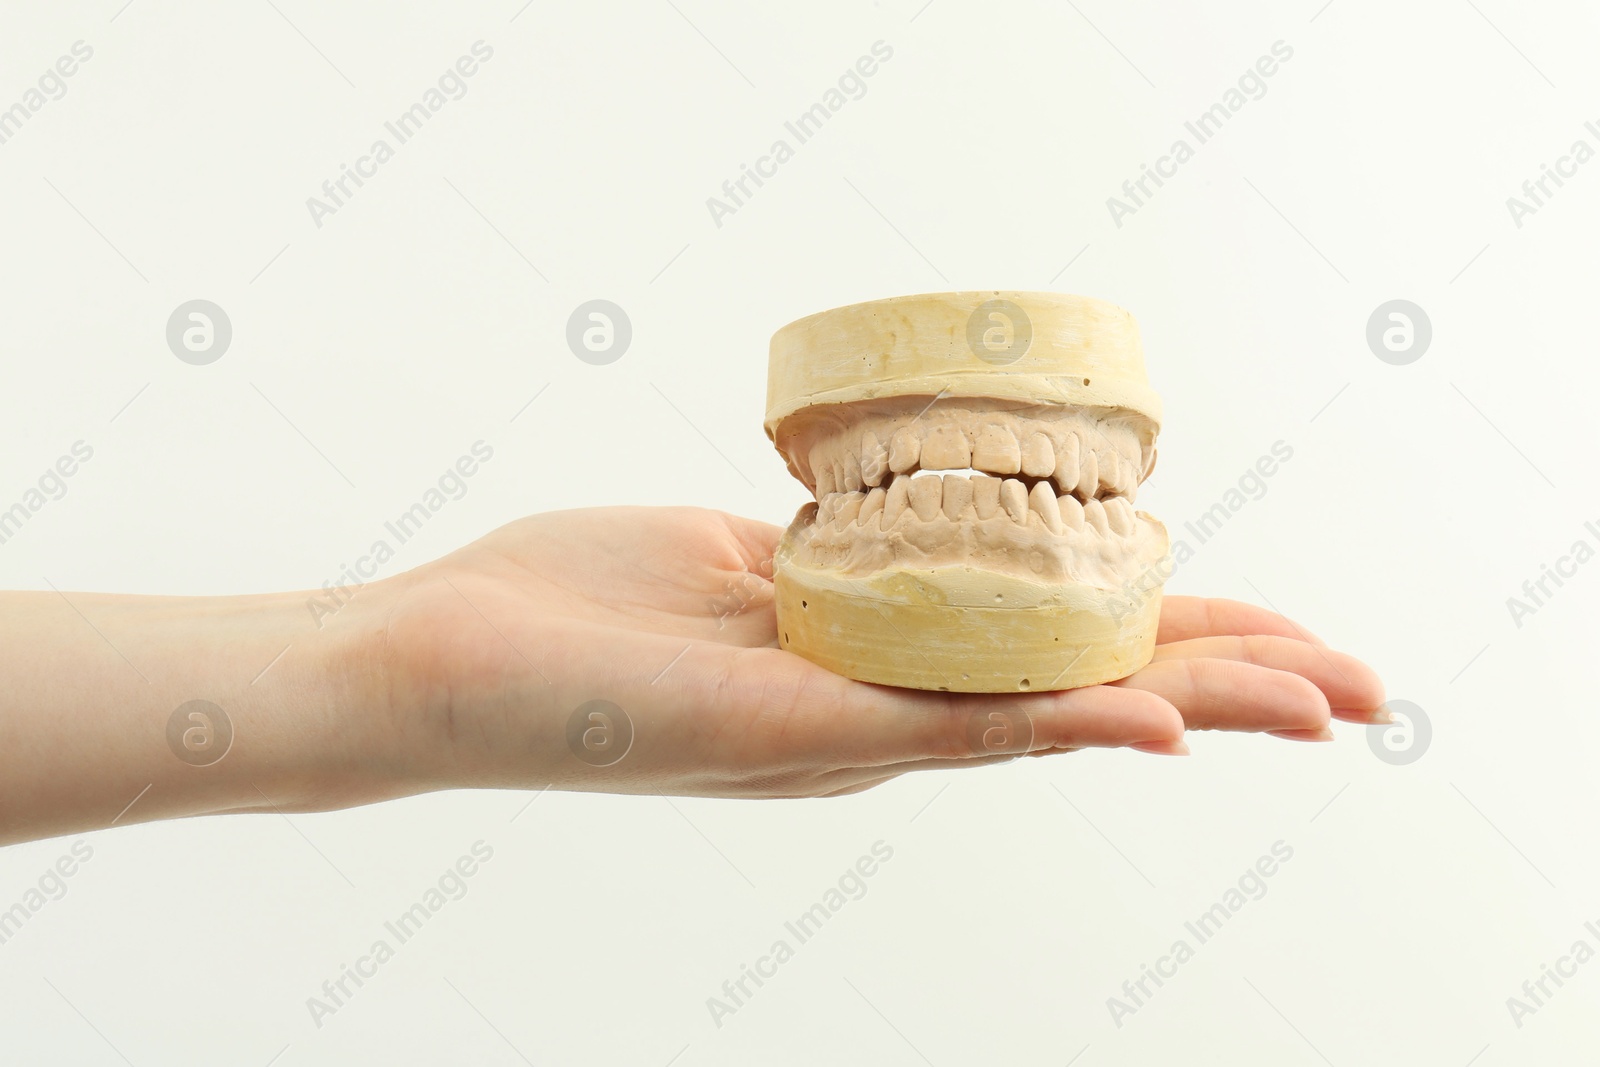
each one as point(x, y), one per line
point(866, 778)
point(756, 540)
point(1187, 617)
point(913, 729)
point(830, 719)
point(1221, 694)
point(859, 787)
point(1352, 688)
point(1159, 748)
point(828, 784)
point(856, 779)
point(942, 763)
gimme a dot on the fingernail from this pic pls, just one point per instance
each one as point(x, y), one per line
point(1319, 734)
point(1163, 748)
point(1370, 717)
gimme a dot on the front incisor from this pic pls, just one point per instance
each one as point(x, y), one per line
point(986, 495)
point(946, 449)
point(996, 450)
point(926, 497)
point(957, 495)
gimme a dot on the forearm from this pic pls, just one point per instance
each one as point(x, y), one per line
point(90, 686)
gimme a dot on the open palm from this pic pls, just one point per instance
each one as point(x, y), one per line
point(635, 650)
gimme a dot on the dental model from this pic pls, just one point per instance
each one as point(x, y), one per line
point(974, 458)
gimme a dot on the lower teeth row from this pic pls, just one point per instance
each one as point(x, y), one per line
point(956, 497)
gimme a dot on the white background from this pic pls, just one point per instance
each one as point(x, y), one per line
point(427, 312)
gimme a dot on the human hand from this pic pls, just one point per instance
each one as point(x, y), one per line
point(667, 614)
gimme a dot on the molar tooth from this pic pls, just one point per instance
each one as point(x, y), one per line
point(1038, 458)
point(874, 459)
point(996, 451)
point(1071, 512)
point(1120, 515)
point(957, 495)
point(849, 508)
point(1014, 498)
point(1042, 499)
point(871, 508)
point(895, 501)
point(904, 450)
point(986, 495)
point(1067, 465)
point(1089, 475)
point(946, 449)
point(925, 497)
point(1095, 512)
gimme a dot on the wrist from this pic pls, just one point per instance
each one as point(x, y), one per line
point(330, 732)
point(257, 706)
point(470, 681)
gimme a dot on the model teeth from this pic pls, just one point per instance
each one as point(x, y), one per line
point(905, 449)
point(1014, 498)
point(1095, 513)
point(1014, 477)
point(981, 503)
point(1119, 513)
point(1092, 456)
point(1071, 512)
point(1115, 474)
point(872, 507)
point(1038, 456)
point(1042, 501)
point(874, 459)
point(986, 495)
point(957, 496)
point(1089, 475)
point(1066, 471)
point(946, 449)
point(825, 482)
point(895, 503)
point(926, 497)
point(997, 451)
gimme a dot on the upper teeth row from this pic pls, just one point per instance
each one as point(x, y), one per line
point(1073, 464)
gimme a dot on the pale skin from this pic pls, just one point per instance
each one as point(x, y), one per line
point(465, 672)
